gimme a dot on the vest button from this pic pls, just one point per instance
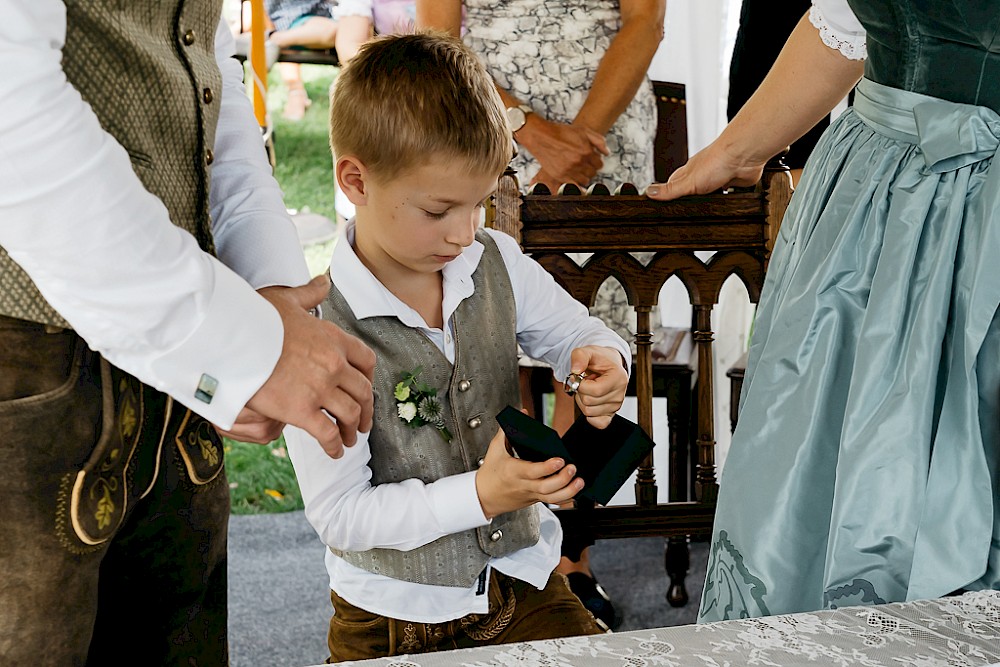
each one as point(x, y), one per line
point(188, 38)
point(209, 156)
point(464, 385)
point(207, 95)
point(481, 461)
point(475, 422)
point(496, 535)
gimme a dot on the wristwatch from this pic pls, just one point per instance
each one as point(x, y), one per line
point(517, 116)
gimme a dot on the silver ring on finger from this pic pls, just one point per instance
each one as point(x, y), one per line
point(572, 383)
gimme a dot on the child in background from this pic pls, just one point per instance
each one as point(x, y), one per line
point(439, 538)
point(368, 18)
point(323, 25)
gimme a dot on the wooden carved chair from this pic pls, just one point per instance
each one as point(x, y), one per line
point(740, 227)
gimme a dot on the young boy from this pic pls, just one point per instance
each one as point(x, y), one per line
point(439, 538)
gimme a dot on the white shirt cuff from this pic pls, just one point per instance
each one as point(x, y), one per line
point(455, 503)
point(236, 345)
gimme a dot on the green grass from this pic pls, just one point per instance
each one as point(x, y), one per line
point(261, 478)
point(304, 165)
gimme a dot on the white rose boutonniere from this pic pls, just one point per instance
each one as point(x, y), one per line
point(406, 411)
point(417, 404)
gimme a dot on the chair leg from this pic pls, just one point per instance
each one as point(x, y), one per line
point(676, 560)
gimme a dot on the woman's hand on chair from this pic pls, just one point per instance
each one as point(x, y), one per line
point(709, 170)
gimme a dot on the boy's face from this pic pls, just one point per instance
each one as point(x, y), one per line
point(418, 221)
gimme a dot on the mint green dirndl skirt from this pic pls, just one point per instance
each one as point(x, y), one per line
point(865, 465)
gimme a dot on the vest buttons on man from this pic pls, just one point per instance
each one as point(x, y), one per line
point(207, 95)
point(188, 38)
point(496, 535)
point(475, 422)
point(464, 385)
point(209, 156)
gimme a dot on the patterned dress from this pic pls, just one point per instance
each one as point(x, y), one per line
point(284, 13)
point(546, 54)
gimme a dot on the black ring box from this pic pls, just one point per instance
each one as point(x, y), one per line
point(604, 458)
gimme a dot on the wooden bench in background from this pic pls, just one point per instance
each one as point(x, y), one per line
point(740, 227)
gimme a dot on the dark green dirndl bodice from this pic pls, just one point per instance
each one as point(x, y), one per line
point(948, 49)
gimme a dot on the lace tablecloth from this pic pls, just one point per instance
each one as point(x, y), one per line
point(956, 631)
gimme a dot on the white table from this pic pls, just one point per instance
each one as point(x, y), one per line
point(957, 631)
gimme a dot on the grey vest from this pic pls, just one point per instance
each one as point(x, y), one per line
point(482, 381)
point(148, 70)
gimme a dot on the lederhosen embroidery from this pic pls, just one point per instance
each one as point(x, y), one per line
point(124, 465)
point(486, 627)
point(100, 489)
point(200, 448)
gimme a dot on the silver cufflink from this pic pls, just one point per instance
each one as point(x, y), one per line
point(206, 388)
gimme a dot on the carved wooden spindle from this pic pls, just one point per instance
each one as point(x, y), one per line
point(706, 488)
point(645, 482)
point(776, 184)
point(506, 216)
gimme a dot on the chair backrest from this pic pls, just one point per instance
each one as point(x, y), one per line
point(739, 226)
point(670, 145)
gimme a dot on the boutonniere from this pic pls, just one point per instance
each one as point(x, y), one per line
point(417, 404)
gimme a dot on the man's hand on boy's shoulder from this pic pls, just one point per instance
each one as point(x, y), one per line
point(602, 390)
point(322, 382)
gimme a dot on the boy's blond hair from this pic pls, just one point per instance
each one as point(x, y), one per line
point(405, 99)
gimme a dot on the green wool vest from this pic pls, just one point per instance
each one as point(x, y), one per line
point(482, 381)
point(147, 68)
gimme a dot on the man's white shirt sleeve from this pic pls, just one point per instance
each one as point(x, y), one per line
point(102, 249)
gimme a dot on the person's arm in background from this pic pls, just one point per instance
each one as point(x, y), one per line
point(443, 15)
point(352, 32)
point(621, 72)
point(569, 153)
point(807, 81)
point(138, 289)
point(355, 26)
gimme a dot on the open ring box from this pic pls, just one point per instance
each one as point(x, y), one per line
point(604, 458)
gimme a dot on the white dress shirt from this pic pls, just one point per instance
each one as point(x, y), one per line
point(352, 515)
point(102, 250)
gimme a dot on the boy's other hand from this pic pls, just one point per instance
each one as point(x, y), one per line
point(505, 484)
point(602, 391)
point(322, 382)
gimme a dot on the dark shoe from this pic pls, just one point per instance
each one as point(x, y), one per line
point(594, 598)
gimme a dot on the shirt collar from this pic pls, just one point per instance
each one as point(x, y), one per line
point(367, 297)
